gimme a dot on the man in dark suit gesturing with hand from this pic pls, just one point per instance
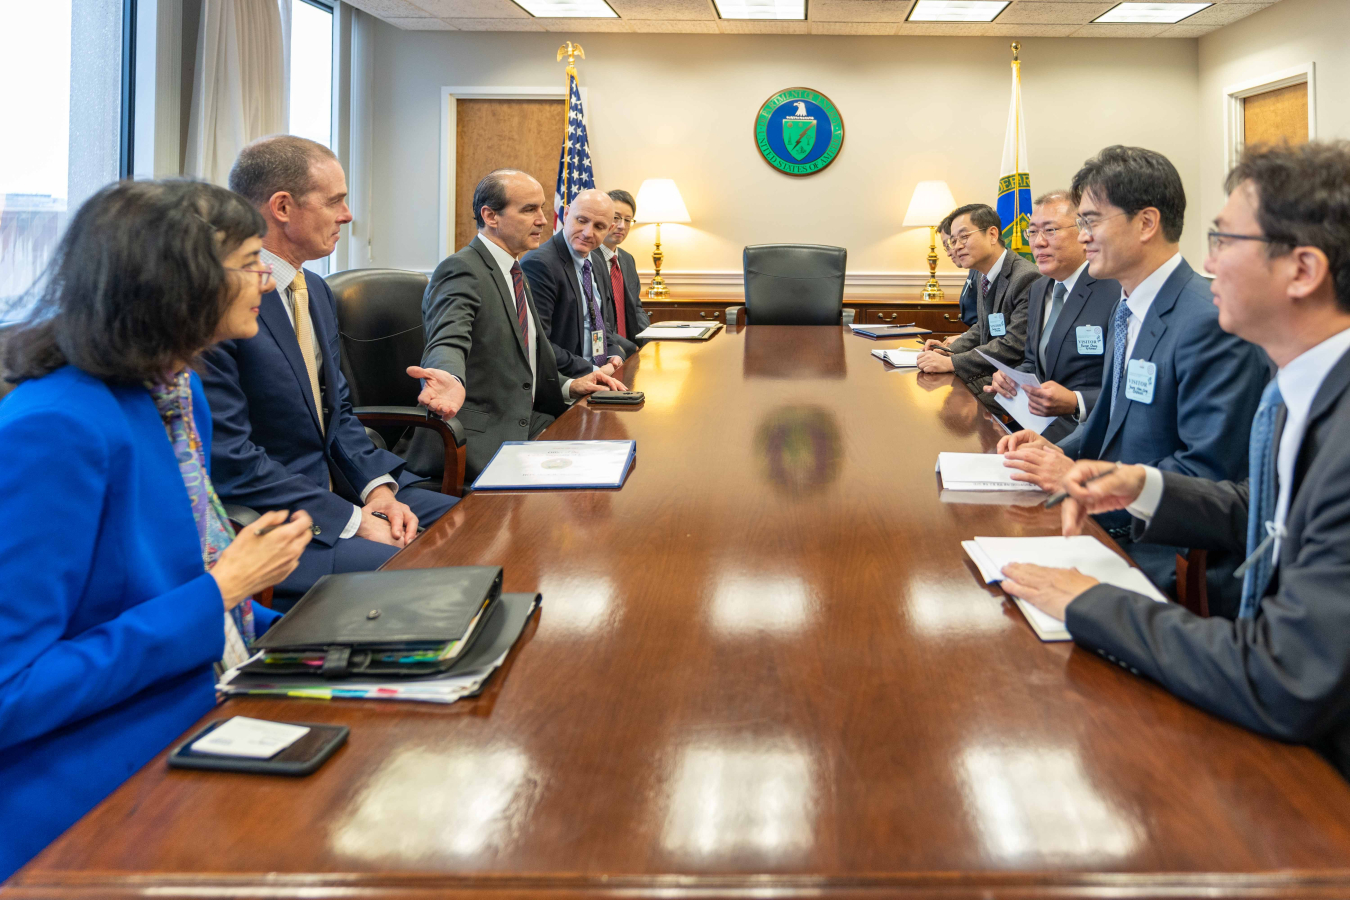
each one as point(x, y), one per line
point(487, 359)
point(1280, 253)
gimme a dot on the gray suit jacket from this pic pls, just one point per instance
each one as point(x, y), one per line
point(1285, 673)
point(1009, 289)
point(469, 312)
point(1091, 303)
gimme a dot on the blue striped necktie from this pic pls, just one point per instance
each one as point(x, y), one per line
point(1121, 326)
point(1263, 492)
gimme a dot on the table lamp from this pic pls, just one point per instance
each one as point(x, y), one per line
point(659, 200)
point(930, 204)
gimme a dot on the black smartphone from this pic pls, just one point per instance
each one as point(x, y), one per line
point(301, 758)
point(617, 398)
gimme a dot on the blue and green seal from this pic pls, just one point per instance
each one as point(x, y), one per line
point(799, 131)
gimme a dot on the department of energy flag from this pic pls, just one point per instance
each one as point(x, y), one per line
point(574, 161)
point(1014, 184)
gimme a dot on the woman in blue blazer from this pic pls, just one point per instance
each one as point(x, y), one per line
point(120, 584)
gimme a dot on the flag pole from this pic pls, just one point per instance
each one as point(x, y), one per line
point(571, 51)
point(1017, 152)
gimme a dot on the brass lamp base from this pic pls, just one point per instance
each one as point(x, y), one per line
point(658, 290)
point(932, 290)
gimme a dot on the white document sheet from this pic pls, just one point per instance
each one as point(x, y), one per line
point(557, 464)
point(1020, 406)
point(677, 331)
point(900, 358)
point(979, 472)
point(1082, 552)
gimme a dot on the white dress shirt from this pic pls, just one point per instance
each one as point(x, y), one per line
point(585, 302)
point(993, 272)
point(1069, 284)
point(1145, 292)
point(284, 273)
point(1299, 380)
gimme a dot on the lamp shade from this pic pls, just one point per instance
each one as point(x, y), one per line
point(931, 202)
point(659, 200)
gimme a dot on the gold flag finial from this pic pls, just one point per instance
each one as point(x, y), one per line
point(1016, 48)
point(572, 52)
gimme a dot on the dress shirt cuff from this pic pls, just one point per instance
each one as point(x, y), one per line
point(1082, 406)
point(567, 391)
point(376, 482)
point(353, 524)
point(1146, 504)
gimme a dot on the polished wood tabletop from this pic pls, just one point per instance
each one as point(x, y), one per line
point(763, 666)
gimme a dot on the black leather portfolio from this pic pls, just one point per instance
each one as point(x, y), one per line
point(402, 623)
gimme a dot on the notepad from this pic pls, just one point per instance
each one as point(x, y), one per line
point(679, 331)
point(888, 331)
point(900, 358)
point(1020, 406)
point(549, 465)
point(1082, 552)
point(978, 472)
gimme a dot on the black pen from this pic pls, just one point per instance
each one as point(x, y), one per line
point(1060, 496)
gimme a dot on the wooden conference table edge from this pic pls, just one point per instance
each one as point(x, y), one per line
point(34, 881)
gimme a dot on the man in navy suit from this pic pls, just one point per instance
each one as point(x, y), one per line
point(285, 435)
point(630, 319)
point(1067, 317)
point(970, 313)
point(1178, 392)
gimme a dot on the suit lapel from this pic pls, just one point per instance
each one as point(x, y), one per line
point(570, 276)
point(272, 313)
point(1073, 307)
point(1150, 333)
point(1040, 295)
point(319, 322)
point(504, 291)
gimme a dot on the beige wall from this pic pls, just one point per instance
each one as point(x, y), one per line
point(1291, 33)
point(682, 106)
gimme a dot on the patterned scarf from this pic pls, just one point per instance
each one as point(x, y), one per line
point(174, 402)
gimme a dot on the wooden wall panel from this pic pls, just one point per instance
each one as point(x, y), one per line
point(501, 134)
point(1276, 116)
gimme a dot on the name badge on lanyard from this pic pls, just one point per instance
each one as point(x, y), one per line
point(597, 343)
point(1139, 377)
point(997, 328)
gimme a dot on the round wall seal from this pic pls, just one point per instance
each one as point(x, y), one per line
point(799, 131)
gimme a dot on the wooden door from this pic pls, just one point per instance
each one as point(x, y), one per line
point(1275, 117)
point(504, 134)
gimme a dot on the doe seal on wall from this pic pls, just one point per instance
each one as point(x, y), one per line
point(799, 131)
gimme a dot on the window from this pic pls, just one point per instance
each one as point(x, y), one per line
point(64, 125)
point(311, 89)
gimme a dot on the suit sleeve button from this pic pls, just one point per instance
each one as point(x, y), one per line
point(524, 423)
point(317, 529)
point(525, 386)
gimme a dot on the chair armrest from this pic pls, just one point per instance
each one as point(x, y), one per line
point(1192, 581)
point(734, 313)
point(848, 316)
point(450, 430)
point(240, 516)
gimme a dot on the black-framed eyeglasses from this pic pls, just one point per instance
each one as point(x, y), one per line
point(1047, 233)
point(263, 272)
point(1219, 239)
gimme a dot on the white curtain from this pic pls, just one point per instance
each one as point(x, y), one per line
point(240, 90)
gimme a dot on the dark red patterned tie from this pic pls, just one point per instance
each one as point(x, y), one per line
point(616, 279)
point(522, 308)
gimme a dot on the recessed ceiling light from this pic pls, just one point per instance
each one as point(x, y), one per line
point(1149, 13)
point(568, 9)
point(761, 9)
point(956, 10)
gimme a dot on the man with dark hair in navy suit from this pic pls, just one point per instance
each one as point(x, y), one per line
point(285, 435)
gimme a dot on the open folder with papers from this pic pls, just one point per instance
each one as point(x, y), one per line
point(1082, 552)
point(900, 358)
point(978, 472)
point(550, 465)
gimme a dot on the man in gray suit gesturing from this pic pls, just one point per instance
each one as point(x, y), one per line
point(1280, 253)
point(487, 359)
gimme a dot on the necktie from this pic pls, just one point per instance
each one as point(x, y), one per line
point(1056, 305)
point(1263, 494)
point(522, 307)
point(616, 281)
point(595, 320)
point(1121, 326)
point(984, 286)
point(304, 333)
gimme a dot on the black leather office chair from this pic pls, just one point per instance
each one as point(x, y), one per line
point(793, 284)
point(380, 326)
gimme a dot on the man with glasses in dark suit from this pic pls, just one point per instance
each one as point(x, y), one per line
point(630, 319)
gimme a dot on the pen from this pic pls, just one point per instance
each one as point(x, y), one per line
point(1060, 496)
point(380, 515)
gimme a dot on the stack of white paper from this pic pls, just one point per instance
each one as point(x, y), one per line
point(901, 358)
point(426, 689)
point(1082, 552)
point(678, 331)
point(1020, 406)
point(978, 472)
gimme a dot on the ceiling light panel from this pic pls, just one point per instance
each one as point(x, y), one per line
point(761, 9)
point(568, 9)
point(1150, 13)
point(957, 10)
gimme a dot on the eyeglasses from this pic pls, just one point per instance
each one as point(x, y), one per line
point(626, 221)
point(1086, 227)
point(1047, 233)
point(263, 272)
point(960, 240)
point(1219, 239)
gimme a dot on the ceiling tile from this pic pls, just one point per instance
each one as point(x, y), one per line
point(473, 9)
point(1223, 13)
point(665, 9)
point(584, 25)
point(401, 9)
point(1120, 31)
point(1189, 31)
point(526, 24)
point(674, 26)
point(849, 27)
point(761, 26)
point(421, 24)
point(1035, 12)
point(856, 11)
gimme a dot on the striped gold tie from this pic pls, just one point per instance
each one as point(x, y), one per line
point(304, 333)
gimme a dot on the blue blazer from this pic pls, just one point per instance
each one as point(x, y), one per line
point(269, 450)
point(1205, 394)
point(970, 300)
point(111, 626)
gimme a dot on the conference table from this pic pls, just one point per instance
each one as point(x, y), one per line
point(765, 667)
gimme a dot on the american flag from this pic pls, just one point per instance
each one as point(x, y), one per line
point(574, 160)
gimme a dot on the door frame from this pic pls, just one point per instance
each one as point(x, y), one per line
point(449, 120)
point(1233, 123)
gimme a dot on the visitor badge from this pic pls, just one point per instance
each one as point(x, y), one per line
point(1090, 340)
point(597, 343)
point(1139, 377)
point(996, 326)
